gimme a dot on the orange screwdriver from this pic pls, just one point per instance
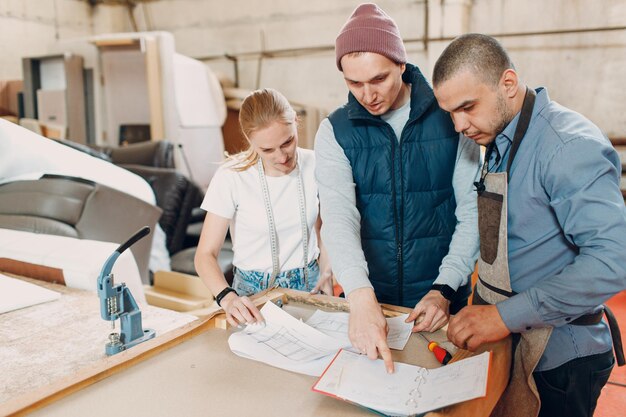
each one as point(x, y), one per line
point(442, 355)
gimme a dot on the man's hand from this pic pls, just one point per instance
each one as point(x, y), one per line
point(476, 325)
point(368, 327)
point(431, 313)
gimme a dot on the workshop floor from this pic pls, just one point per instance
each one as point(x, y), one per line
point(612, 401)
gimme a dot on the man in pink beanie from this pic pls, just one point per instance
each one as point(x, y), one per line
point(395, 188)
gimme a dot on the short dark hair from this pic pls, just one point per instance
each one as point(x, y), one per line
point(481, 54)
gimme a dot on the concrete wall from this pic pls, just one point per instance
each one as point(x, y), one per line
point(583, 71)
point(29, 28)
point(245, 28)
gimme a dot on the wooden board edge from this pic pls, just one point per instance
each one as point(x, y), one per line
point(104, 368)
point(335, 303)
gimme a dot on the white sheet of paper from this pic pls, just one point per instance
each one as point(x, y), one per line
point(16, 294)
point(399, 332)
point(285, 342)
point(335, 324)
point(410, 389)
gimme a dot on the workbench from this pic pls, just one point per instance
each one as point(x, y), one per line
point(189, 371)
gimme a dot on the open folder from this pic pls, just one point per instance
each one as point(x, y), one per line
point(410, 390)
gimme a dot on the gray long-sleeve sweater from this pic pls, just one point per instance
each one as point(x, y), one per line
point(341, 221)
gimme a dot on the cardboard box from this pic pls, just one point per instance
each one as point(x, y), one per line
point(9, 105)
point(179, 292)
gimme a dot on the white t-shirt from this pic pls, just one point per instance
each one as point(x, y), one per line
point(237, 195)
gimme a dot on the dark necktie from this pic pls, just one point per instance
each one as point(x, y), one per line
point(494, 161)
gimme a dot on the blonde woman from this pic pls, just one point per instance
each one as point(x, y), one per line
point(267, 195)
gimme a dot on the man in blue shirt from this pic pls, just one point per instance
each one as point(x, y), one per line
point(552, 226)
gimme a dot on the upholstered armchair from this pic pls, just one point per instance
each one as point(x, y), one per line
point(78, 208)
point(178, 197)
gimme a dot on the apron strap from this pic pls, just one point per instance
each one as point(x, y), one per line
point(477, 300)
point(616, 335)
point(586, 320)
point(522, 126)
point(497, 290)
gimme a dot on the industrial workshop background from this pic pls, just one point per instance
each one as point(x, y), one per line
point(576, 47)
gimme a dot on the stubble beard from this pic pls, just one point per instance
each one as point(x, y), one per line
point(504, 116)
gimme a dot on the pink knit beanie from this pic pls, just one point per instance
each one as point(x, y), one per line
point(369, 29)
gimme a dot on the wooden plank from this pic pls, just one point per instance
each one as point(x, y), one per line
point(26, 269)
point(336, 303)
point(115, 42)
point(179, 292)
point(155, 96)
point(183, 283)
point(75, 99)
point(176, 301)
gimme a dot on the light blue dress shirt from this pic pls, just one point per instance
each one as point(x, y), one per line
point(566, 229)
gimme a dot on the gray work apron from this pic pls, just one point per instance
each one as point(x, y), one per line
point(520, 397)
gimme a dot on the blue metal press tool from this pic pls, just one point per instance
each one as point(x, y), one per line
point(117, 302)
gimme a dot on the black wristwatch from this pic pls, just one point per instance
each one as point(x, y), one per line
point(446, 291)
point(222, 294)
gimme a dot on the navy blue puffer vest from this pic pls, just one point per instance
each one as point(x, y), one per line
point(403, 190)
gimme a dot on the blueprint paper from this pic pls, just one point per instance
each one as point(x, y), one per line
point(335, 324)
point(285, 342)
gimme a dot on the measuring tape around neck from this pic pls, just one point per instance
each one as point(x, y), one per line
point(272, 224)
